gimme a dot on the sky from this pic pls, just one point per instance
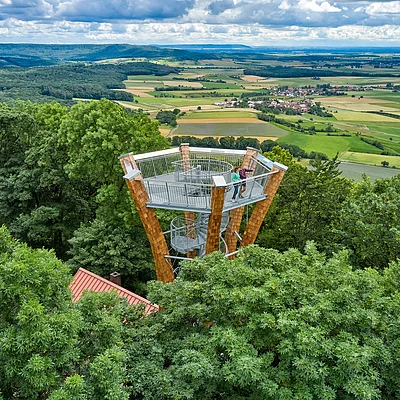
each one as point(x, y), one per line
point(248, 22)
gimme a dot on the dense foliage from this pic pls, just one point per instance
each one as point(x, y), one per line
point(168, 117)
point(292, 319)
point(267, 325)
point(43, 54)
point(225, 142)
point(61, 184)
point(65, 82)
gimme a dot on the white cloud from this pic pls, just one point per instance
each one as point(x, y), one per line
point(391, 7)
point(250, 22)
point(312, 5)
point(284, 5)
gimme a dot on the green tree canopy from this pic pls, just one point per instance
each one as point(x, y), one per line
point(370, 222)
point(272, 325)
point(306, 207)
point(38, 327)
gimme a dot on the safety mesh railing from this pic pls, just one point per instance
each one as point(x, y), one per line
point(201, 170)
point(158, 166)
point(179, 194)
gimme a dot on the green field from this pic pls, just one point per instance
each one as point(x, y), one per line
point(262, 130)
point(329, 145)
point(371, 159)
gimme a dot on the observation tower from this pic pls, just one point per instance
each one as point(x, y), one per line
point(196, 183)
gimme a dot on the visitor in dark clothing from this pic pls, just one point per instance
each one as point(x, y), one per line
point(243, 175)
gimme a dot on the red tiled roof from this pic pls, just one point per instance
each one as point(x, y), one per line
point(86, 280)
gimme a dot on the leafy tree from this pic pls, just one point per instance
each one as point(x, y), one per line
point(50, 345)
point(48, 205)
point(100, 372)
point(17, 130)
point(96, 133)
point(38, 327)
point(104, 248)
point(167, 117)
point(227, 142)
point(243, 143)
point(270, 325)
point(370, 222)
point(306, 207)
point(209, 142)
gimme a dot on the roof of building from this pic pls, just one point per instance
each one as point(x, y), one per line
point(86, 280)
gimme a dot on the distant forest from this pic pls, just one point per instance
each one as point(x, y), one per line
point(295, 72)
point(65, 82)
point(32, 55)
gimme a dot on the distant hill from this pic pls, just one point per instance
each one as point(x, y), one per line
point(27, 55)
point(216, 48)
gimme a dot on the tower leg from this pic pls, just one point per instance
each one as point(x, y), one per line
point(261, 209)
point(235, 219)
point(189, 218)
point(235, 215)
point(214, 221)
point(153, 229)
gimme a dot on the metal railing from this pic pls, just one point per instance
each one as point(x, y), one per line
point(201, 170)
point(158, 166)
point(197, 196)
point(163, 164)
point(255, 187)
point(188, 235)
point(179, 194)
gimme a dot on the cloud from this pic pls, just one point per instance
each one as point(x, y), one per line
point(168, 21)
point(20, 9)
point(312, 5)
point(106, 10)
point(391, 7)
point(219, 6)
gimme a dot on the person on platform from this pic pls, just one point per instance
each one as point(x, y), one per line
point(236, 182)
point(243, 176)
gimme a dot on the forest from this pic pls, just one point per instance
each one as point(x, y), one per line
point(300, 72)
point(66, 82)
point(310, 312)
point(29, 55)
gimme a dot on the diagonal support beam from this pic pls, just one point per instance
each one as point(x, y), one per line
point(149, 219)
point(236, 215)
point(214, 220)
point(262, 207)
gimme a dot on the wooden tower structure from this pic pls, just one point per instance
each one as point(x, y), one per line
point(197, 182)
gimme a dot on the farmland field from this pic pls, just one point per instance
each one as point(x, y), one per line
point(355, 116)
point(330, 145)
point(261, 131)
point(371, 159)
point(355, 171)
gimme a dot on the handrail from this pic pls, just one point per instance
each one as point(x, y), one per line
point(252, 178)
point(155, 179)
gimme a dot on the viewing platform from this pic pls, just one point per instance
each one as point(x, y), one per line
point(173, 183)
